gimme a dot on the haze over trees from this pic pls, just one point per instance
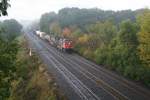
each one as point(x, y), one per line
point(11, 28)
point(118, 40)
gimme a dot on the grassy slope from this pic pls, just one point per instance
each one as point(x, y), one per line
point(34, 83)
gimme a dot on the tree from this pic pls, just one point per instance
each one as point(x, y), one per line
point(66, 32)
point(3, 7)
point(55, 28)
point(45, 21)
point(104, 30)
point(80, 18)
point(144, 37)
point(8, 54)
point(126, 49)
point(11, 28)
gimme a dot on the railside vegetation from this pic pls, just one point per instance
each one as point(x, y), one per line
point(118, 40)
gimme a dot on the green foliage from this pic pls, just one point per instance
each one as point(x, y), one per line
point(77, 33)
point(126, 49)
point(109, 38)
point(77, 16)
point(144, 46)
point(31, 82)
point(55, 28)
point(144, 38)
point(46, 20)
point(116, 51)
point(3, 7)
point(105, 31)
point(100, 55)
point(82, 17)
point(8, 51)
point(10, 29)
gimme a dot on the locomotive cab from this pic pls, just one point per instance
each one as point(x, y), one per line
point(67, 45)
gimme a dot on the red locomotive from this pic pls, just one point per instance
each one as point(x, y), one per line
point(65, 44)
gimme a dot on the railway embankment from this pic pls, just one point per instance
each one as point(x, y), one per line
point(34, 82)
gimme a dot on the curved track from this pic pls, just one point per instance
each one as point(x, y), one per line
point(87, 80)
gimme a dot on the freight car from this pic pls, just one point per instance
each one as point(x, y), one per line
point(41, 34)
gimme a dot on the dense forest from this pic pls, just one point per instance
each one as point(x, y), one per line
point(118, 40)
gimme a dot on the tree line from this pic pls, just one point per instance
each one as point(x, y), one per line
point(118, 40)
point(67, 17)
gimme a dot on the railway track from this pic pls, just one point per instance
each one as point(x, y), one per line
point(128, 84)
point(108, 87)
point(84, 92)
point(117, 95)
point(111, 84)
point(81, 89)
point(112, 75)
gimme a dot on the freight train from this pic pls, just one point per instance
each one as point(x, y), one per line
point(61, 43)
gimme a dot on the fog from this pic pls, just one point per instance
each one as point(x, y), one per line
point(32, 9)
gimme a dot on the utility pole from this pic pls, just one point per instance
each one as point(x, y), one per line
point(30, 52)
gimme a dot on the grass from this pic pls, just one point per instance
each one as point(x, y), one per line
point(33, 82)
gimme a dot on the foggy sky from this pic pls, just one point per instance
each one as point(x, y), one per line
point(32, 9)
